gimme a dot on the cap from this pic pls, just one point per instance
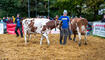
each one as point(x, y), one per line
point(65, 11)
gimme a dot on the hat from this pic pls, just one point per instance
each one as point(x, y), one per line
point(65, 11)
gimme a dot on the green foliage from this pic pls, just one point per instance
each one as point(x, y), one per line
point(98, 36)
point(86, 8)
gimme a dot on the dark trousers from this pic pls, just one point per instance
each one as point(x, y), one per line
point(63, 34)
point(70, 33)
point(20, 29)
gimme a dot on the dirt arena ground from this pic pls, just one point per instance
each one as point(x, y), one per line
point(12, 48)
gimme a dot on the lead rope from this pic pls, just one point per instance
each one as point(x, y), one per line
point(55, 25)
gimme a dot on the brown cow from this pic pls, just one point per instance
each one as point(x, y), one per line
point(38, 26)
point(78, 26)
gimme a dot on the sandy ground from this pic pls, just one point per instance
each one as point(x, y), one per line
point(12, 48)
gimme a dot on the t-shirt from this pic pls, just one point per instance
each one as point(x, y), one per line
point(1, 21)
point(65, 21)
point(18, 21)
point(4, 20)
point(13, 20)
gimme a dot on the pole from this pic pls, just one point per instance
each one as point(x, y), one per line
point(29, 8)
point(36, 8)
point(48, 9)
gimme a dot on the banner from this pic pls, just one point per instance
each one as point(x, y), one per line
point(11, 28)
point(99, 29)
point(55, 31)
point(1, 28)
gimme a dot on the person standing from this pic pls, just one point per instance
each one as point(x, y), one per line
point(103, 20)
point(64, 28)
point(56, 18)
point(18, 26)
point(1, 21)
point(4, 20)
point(13, 19)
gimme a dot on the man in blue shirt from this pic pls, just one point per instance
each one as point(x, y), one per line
point(18, 26)
point(64, 32)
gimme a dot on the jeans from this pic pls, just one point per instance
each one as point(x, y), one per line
point(63, 33)
point(20, 29)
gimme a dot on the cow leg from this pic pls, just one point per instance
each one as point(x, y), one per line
point(70, 35)
point(34, 35)
point(79, 34)
point(29, 37)
point(69, 31)
point(41, 39)
point(25, 37)
point(46, 36)
point(86, 37)
point(74, 39)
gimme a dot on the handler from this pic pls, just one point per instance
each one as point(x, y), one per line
point(18, 26)
point(64, 31)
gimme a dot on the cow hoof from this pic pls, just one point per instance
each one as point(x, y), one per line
point(27, 40)
point(85, 43)
point(48, 44)
point(79, 44)
point(74, 40)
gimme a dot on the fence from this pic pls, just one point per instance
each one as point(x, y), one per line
point(98, 29)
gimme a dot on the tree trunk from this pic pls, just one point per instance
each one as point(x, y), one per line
point(95, 13)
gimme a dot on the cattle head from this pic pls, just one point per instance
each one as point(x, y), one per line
point(60, 24)
point(57, 23)
point(51, 24)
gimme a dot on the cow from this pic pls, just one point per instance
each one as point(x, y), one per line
point(79, 26)
point(38, 26)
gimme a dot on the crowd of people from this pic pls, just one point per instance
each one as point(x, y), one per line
point(7, 19)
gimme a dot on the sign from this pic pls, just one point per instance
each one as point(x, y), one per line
point(55, 31)
point(1, 28)
point(99, 29)
point(11, 29)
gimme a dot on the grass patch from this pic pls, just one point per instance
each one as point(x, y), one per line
point(98, 36)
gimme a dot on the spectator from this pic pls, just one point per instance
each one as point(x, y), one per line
point(89, 29)
point(4, 19)
point(1, 20)
point(9, 21)
point(13, 18)
point(103, 20)
point(18, 26)
point(65, 27)
point(56, 18)
point(80, 16)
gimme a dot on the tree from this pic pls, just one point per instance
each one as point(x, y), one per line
point(94, 6)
